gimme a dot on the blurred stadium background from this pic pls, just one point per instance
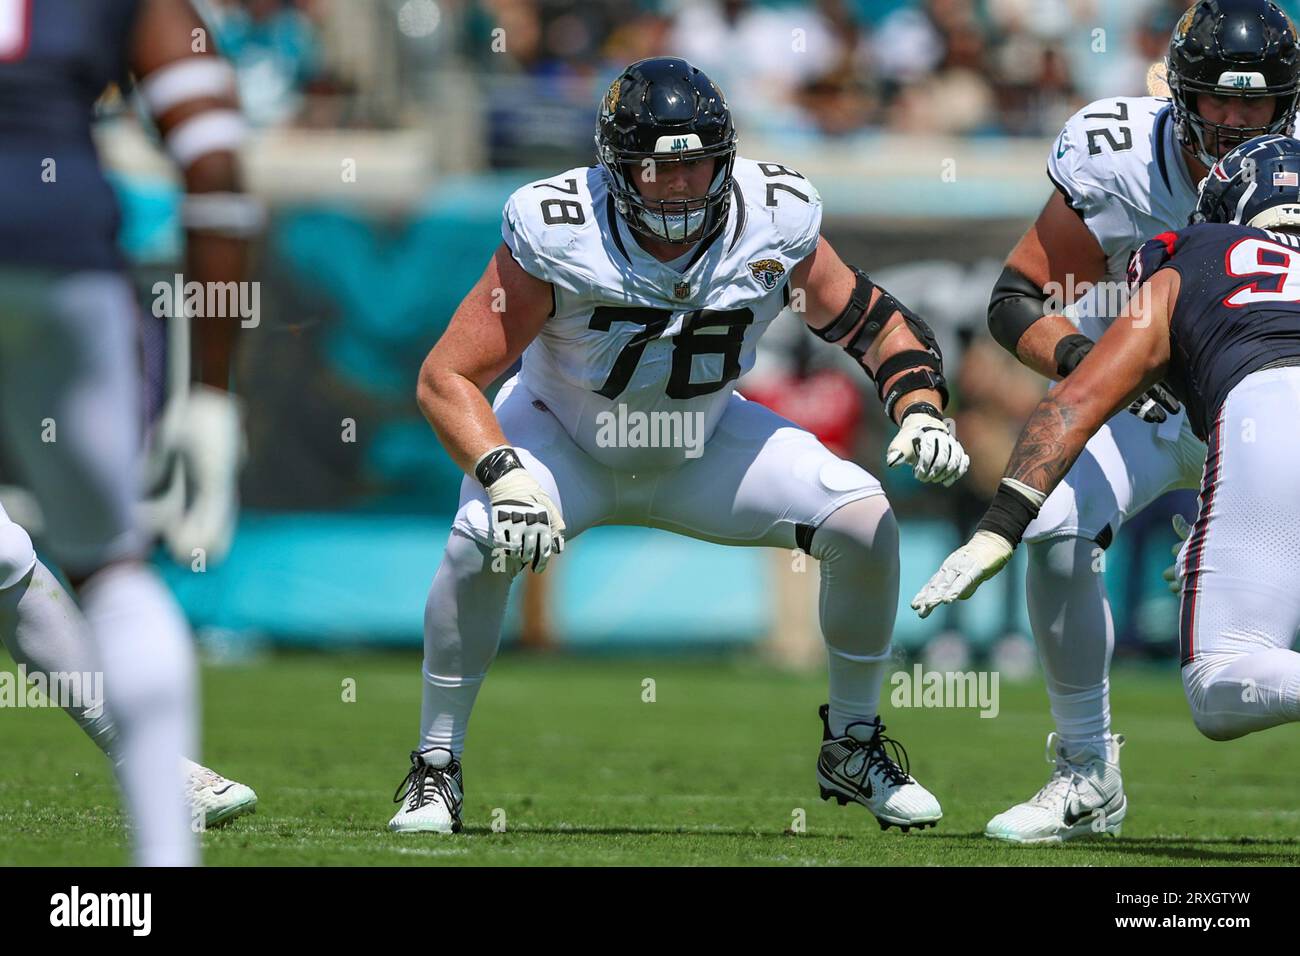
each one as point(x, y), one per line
point(388, 134)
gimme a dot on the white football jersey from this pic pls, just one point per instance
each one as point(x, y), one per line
point(1119, 164)
point(630, 336)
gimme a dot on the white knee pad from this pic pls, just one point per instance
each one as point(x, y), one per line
point(17, 556)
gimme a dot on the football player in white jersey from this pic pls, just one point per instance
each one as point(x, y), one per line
point(1125, 169)
point(635, 291)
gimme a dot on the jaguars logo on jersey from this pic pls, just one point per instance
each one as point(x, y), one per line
point(768, 272)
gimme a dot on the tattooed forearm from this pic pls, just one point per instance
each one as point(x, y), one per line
point(1047, 446)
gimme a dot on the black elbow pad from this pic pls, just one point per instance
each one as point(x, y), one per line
point(1016, 304)
point(852, 314)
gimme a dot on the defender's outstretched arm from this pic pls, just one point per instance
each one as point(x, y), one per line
point(1133, 354)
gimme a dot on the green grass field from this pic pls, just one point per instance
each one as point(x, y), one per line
point(585, 772)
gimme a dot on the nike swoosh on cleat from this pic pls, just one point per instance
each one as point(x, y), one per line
point(1071, 818)
point(850, 785)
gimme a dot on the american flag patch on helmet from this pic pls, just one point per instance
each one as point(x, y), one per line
point(1286, 179)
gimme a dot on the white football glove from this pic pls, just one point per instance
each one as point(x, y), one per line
point(1171, 575)
point(199, 446)
point(964, 571)
point(930, 446)
point(525, 522)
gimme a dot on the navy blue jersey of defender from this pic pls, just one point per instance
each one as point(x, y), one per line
point(56, 59)
point(1238, 308)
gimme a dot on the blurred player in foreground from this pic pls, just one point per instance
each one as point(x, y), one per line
point(1216, 314)
point(1125, 169)
point(69, 362)
point(636, 291)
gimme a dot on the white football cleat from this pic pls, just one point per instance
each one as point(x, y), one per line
point(431, 795)
point(218, 799)
point(856, 767)
point(1084, 797)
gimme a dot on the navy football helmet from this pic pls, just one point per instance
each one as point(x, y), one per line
point(1246, 48)
point(1256, 184)
point(665, 110)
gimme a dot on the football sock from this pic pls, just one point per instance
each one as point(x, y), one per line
point(858, 550)
point(445, 709)
point(1234, 694)
point(44, 631)
point(462, 628)
point(1070, 618)
point(148, 660)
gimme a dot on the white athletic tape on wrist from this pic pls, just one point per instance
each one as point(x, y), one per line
point(1033, 494)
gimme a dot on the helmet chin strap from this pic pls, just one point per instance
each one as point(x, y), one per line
point(1202, 151)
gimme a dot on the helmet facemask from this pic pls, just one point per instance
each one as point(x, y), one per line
point(1212, 141)
point(684, 220)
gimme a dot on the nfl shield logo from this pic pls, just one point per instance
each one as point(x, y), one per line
point(681, 290)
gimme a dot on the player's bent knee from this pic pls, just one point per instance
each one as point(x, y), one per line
point(1204, 692)
point(17, 555)
point(1061, 557)
point(466, 556)
point(1216, 726)
point(865, 529)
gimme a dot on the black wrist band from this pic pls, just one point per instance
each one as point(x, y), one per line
point(1009, 514)
point(914, 381)
point(1070, 352)
point(917, 408)
point(495, 464)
